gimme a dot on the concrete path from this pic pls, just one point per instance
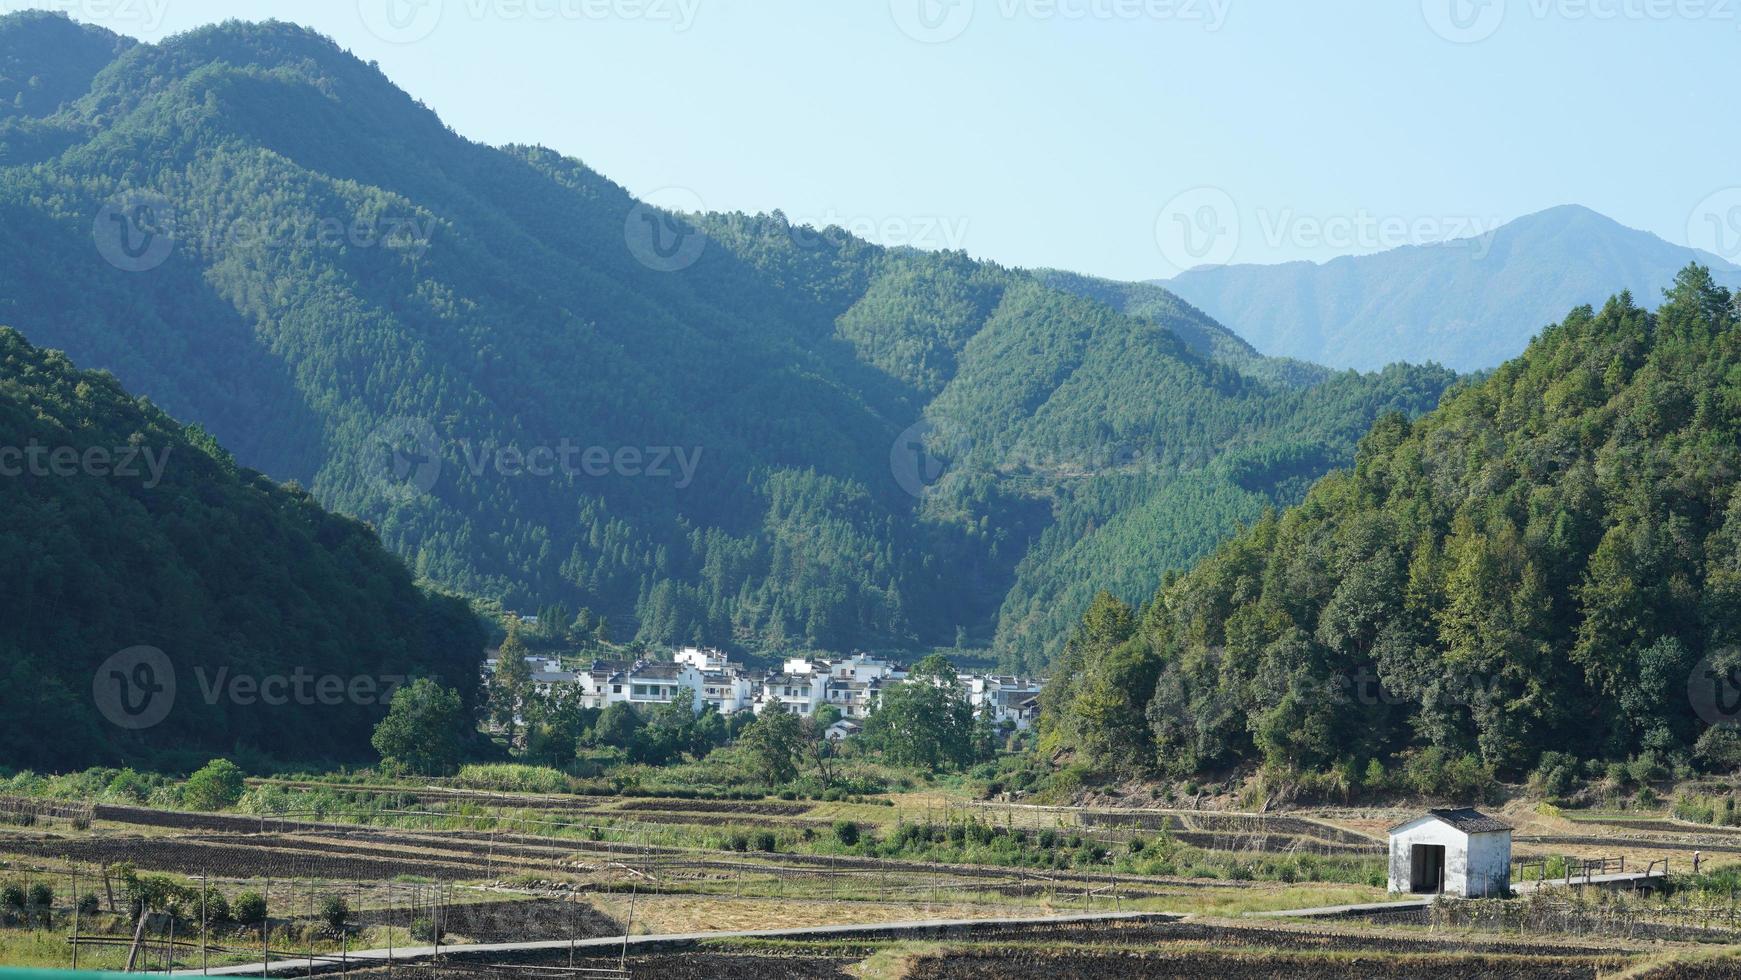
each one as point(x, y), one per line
point(377, 957)
point(1521, 888)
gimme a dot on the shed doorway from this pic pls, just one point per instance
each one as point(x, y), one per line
point(1426, 868)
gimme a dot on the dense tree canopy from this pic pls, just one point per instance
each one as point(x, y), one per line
point(1551, 561)
point(129, 536)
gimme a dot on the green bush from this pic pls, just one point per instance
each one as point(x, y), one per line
point(336, 913)
point(41, 896)
point(250, 908)
point(89, 904)
point(1719, 748)
point(1557, 774)
point(12, 898)
point(1646, 767)
point(846, 832)
point(217, 909)
point(217, 786)
point(766, 841)
point(1433, 772)
point(423, 930)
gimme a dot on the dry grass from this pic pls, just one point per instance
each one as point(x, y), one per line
point(665, 914)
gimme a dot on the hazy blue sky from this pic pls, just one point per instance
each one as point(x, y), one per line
point(1086, 134)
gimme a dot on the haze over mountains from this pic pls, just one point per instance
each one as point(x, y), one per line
point(717, 428)
point(1468, 304)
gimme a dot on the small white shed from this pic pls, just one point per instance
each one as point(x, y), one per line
point(1461, 852)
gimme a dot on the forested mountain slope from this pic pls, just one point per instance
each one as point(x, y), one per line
point(763, 435)
point(1194, 327)
point(1550, 561)
point(124, 530)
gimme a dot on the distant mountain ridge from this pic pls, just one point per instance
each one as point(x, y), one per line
point(1469, 304)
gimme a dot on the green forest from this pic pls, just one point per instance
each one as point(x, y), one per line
point(125, 530)
point(353, 286)
point(1546, 568)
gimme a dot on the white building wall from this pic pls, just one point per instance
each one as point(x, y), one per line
point(1489, 868)
point(1476, 865)
point(1428, 831)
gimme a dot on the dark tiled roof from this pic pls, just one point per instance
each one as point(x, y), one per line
point(1467, 819)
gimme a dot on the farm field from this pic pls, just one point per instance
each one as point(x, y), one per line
point(485, 868)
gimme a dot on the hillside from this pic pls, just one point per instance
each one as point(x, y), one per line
point(302, 258)
point(1205, 336)
point(125, 530)
point(1467, 304)
point(1545, 563)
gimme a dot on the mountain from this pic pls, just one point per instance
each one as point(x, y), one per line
point(1205, 336)
point(718, 428)
point(1468, 304)
point(1549, 562)
point(146, 572)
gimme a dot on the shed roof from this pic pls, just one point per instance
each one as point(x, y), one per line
point(1467, 819)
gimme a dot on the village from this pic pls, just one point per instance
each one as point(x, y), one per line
point(800, 685)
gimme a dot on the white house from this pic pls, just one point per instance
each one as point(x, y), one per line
point(641, 683)
point(842, 730)
point(801, 694)
point(855, 699)
point(863, 667)
point(1000, 698)
point(651, 684)
point(708, 661)
point(546, 679)
point(604, 684)
point(728, 691)
point(1461, 852)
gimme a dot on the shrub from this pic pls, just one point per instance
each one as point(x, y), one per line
point(1719, 748)
point(217, 909)
point(1646, 767)
point(41, 896)
point(1434, 772)
point(89, 904)
point(1557, 774)
point(335, 912)
point(423, 930)
point(250, 909)
point(846, 832)
point(766, 841)
point(218, 786)
point(12, 898)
